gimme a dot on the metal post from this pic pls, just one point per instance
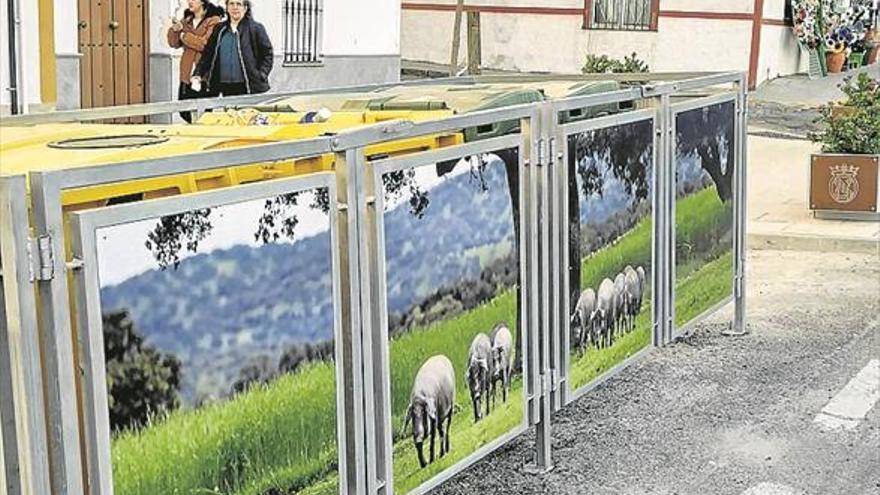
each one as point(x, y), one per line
point(558, 265)
point(65, 459)
point(540, 280)
point(664, 228)
point(357, 462)
point(17, 103)
point(23, 429)
point(659, 232)
point(376, 361)
point(740, 201)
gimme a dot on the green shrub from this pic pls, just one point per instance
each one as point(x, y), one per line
point(854, 127)
point(602, 64)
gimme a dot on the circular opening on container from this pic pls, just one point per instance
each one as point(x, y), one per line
point(108, 142)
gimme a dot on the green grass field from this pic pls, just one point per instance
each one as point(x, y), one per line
point(704, 264)
point(282, 435)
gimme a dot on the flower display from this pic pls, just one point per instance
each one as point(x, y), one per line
point(845, 23)
point(806, 22)
point(836, 25)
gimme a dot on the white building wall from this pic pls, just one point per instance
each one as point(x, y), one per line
point(532, 42)
point(701, 44)
point(780, 53)
point(557, 43)
point(739, 6)
point(362, 27)
point(30, 51)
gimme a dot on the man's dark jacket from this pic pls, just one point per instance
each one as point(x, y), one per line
point(256, 56)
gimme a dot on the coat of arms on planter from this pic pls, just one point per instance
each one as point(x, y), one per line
point(844, 182)
point(843, 186)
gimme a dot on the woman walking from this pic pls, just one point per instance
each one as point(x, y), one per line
point(238, 55)
point(192, 35)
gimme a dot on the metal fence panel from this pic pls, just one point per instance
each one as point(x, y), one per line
point(410, 202)
point(706, 149)
point(610, 193)
point(240, 419)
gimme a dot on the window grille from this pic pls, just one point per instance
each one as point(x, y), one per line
point(303, 29)
point(622, 15)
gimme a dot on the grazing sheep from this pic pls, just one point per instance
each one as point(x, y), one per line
point(502, 360)
point(634, 298)
point(582, 321)
point(479, 372)
point(606, 304)
point(620, 302)
point(431, 405)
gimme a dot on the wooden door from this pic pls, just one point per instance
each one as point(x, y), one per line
point(113, 41)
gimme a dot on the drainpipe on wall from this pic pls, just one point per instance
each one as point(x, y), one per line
point(17, 105)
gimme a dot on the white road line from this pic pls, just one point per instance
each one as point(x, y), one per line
point(852, 403)
point(772, 489)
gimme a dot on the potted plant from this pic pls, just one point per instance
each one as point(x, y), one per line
point(857, 53)
point(844, 176)
point(835, 52)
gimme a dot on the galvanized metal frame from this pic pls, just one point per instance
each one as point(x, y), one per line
point(664, 284)
point(671, 81)
point(57, 345)
point(541, 161)
point(362, 458)
point(84, 231)
point(373, 206)
point(740, 198)
point(58, 351)
point(22, 423)
point(675, 331)
point(565, 132)
point(360, 253)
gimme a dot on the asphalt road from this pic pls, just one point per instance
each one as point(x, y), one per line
point(725, 415)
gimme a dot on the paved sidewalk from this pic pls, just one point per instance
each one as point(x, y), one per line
point(778, 170)
point(778, 214)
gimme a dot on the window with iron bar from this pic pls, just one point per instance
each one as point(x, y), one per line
point(622, 15)
point(303, 31)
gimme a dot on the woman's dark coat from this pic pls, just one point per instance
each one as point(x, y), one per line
point(255, 51)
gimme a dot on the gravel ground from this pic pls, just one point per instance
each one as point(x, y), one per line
point(720, 415)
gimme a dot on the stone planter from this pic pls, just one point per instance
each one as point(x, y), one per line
point(844, 186)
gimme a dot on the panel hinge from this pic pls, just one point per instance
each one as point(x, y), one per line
point(554, 380)
point(551, 152)
point(541, 152)
point(41, 258)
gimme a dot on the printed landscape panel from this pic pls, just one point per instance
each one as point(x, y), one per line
point(219, 336)
point(610, 223)
point(704, 170)
point(452, 276)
